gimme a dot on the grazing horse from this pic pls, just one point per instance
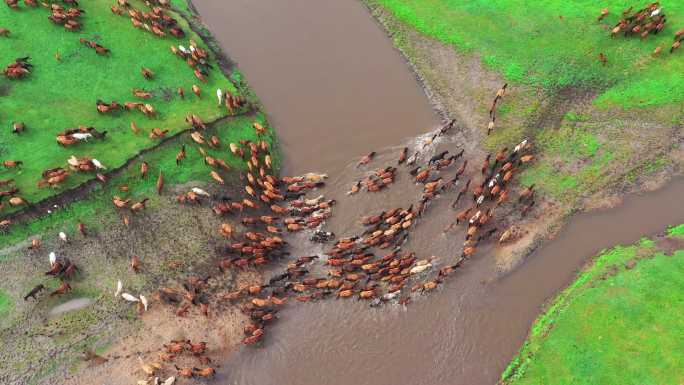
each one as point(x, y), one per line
point(12, 163)
point(34, 292)
point(62, 289)
point(146, 73)
point(19, 69)
point(604, 13)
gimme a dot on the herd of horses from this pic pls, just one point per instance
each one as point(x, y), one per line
point(373, 265)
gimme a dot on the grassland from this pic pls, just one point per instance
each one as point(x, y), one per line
point(600, 129)
point(96, 210)
point(69, 77)
point(617, 323)
point(4, 303)
point(60, 93)
point(556, 44)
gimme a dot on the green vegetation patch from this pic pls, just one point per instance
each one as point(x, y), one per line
point(676, 231)
point(575, 117)
point(554, 182)
point(575, 162)
point(568, 142)
point(618, 323)
point(97, 209)
point(555, 44)
point(68, 78)
point(5, 303)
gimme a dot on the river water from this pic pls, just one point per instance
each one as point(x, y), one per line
point(330, 79)
point(336, 89)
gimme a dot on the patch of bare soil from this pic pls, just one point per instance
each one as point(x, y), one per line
point(222, 331)
point(530, 233)
point(603, 202)
point(5, 89)
point(670, 244)
point(173, 242)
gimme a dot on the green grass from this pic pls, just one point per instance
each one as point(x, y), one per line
point(575, 163)
point(613, 325)
point(571, 143)
point(59, 94)
point(5, 303)
point(97, 209)
point(676, 231)
point(530, 43)
point(575, 117)
point(558, 184)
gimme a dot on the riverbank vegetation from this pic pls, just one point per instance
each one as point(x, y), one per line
point(601, 126)
point(617, 322)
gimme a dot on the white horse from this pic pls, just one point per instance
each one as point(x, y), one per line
point(82, 136)
point(199, 191)
point(98, 165)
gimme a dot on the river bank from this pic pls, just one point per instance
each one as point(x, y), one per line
point(612, 323)
point(581, 166)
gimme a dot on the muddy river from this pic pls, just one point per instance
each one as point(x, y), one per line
point(336, 89)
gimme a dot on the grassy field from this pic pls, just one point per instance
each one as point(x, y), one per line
point(61, 94)
point(600, 129)
point(556, 44)
point(97, 209)
point(618, 323)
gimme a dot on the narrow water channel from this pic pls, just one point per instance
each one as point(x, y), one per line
point(336, 89)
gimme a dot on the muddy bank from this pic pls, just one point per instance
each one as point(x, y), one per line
point(173, 242)
point(222, 332)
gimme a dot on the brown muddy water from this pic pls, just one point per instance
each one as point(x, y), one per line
point(336, 89)
point(331, 81)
